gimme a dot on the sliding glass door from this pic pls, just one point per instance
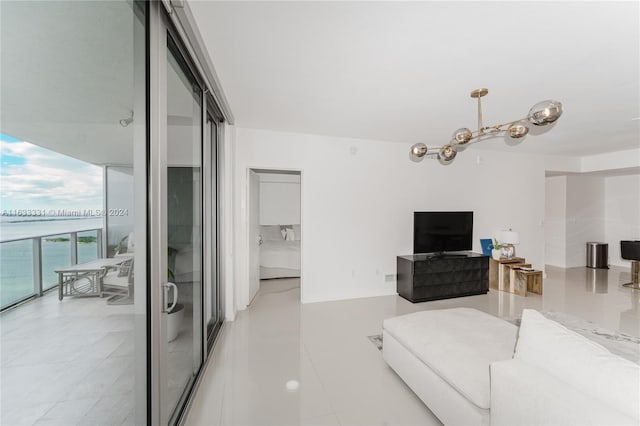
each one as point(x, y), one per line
point(109, 288)
point(73, 236)
point(183, 218)
point(184, 227)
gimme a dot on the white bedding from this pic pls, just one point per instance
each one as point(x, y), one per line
point(280, 254)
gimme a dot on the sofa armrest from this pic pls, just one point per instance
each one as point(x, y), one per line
point(522, 394)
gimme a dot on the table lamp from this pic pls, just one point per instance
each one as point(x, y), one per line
point(509, 239)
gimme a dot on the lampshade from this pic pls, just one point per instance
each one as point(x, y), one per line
point(510, 237)
point(545, 112)
point(517, 131)
point(461, 136)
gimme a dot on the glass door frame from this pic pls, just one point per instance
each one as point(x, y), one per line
point(179, 54)
point(159, 29)
point(212, 187)
point(157, 223)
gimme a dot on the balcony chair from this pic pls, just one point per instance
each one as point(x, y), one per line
point(117, 283)
point(630, 250)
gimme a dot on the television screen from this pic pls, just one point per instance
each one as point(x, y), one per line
point(438, 232)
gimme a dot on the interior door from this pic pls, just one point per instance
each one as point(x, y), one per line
point(254, 234)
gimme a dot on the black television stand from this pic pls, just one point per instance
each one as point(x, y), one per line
point(423, 277)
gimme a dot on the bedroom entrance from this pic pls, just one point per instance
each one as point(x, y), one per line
point(274, 229)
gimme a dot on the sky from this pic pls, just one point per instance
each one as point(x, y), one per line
point(36, 178)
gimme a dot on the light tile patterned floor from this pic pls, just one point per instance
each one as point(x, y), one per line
point(72, 362)
point(342, 376)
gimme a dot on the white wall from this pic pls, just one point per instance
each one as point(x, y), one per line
point(622, 213)
point(358, 199)
point(617, 160)
point(585, 216)
point(582, 208)
point(555, 229)
point(228, 221)
point(279, 199)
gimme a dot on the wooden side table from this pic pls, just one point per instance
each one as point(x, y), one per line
point(496, 272)
point(530, 281)
point(509, 282)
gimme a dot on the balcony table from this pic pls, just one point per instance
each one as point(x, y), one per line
point(69, 278)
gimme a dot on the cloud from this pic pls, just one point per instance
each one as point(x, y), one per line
point(32, 177)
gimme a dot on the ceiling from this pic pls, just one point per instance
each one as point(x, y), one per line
point(71, 71)
point(402, 71)
point(391, 71)
point(67, 77)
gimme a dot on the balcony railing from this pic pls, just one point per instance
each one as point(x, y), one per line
point(28, 264)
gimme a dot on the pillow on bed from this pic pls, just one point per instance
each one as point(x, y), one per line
point(271, 233)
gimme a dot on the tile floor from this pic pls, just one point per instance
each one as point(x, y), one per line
point(340, 375)
point(72, 362)
point(68, 362)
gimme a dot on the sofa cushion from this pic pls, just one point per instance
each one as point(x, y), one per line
point(458, 345)
point(522, 394)
point(579, 362)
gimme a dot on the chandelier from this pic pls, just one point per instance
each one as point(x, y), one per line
point(541, 114)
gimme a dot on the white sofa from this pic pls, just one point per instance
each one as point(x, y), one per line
point(472, 368)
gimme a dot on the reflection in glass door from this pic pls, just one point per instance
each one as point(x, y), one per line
point(184, 230)
point(73, 104)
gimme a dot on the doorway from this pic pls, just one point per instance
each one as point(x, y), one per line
point(274, 228)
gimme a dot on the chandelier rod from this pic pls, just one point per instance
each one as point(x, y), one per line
point(497, 128)
point(480, 125)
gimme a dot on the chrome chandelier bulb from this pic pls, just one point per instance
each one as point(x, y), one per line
point(518, 130)
point(543, 115)
point(462, 136)
point(545, 112)
point(447, 153)
point(418, 151)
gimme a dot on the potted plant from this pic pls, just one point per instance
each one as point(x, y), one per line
point(122, 244)
point(496, 249)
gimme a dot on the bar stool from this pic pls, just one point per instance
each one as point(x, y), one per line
point(630, 250)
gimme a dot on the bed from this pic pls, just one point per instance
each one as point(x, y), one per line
point(279, 251)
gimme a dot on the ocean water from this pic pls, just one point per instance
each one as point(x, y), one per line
point(19, 227)
point(16, 257)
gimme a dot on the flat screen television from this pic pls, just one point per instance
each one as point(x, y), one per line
point(439, 232)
